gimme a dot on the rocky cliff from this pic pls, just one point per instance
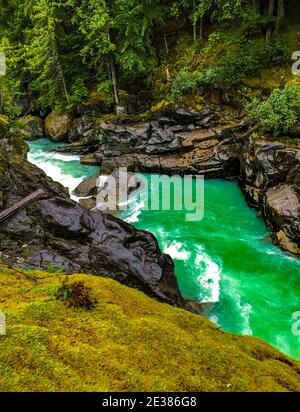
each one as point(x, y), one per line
point(203, 143)
point(270, 176)
point(59, 233)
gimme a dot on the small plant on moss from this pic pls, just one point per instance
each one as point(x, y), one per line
point(279, 112)
point(76, 295)
point(54, 269)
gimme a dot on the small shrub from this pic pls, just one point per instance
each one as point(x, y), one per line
point(76, 294)
point(54, 269)
point(245, 60)
point(279, 112)
point(183, 83)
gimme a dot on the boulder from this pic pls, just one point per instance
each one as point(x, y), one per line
point(87, 187)
point(99, 185)
point(33, 127)
point(86, 127)
point(295, 130)
point(58, 125)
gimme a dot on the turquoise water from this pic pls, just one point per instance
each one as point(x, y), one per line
point(226, 260)
point(62, 167)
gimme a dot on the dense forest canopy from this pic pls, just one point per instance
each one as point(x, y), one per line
point(60, 50)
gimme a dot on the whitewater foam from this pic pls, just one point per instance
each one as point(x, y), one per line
point(177, 251)
point(44, 159)
point(209, 278)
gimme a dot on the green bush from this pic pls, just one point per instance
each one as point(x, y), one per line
point(279, 112)
point(247, 59)
point(183, 83)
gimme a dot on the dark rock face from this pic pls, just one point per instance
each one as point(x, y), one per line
point(62, 233)
point(202, 151)
point(270, 176)
point(33, 127)
point(176, 143)
point(282, 210)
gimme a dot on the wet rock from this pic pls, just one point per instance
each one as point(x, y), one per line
point(87, 128)
point(295, 131)
point(61, 233)
point(32, 127)
point(87, 187)
point(97, 190)
point(57, 125)
point(270, 176)
point(180, 117)
point(282, 211)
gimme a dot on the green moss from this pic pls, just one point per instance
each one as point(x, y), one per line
point(129, 342)
point(4, 125)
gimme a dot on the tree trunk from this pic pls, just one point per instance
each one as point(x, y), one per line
point(255, 5)
point(195, 22)
point(166, 45)
point(270, 14)
point(114, 80)
point(63, 81)
point(202, 27)
point(1, 101)
point(113, 73)
point(280, 14)
point(59, 69)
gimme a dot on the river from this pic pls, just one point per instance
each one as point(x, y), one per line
point(225, 260)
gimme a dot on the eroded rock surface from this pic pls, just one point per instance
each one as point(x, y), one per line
point(270, 176)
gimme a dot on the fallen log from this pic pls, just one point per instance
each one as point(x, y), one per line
point(38, 194)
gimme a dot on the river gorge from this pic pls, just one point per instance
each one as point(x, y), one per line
point(227, 260)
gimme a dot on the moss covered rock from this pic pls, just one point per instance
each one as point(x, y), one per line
point(32, 127)
point(58, 125)
point(129, 342)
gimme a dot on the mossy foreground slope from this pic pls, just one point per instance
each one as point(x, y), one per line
point(129, 342)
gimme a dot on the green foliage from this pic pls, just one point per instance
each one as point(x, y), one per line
point(183, 83)
point(58, 51)
point(79, 91)
point(246, 59)
point(279, 112)
point(54, 269)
